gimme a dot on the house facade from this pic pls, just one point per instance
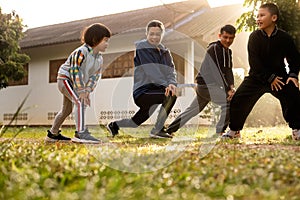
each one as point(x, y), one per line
point(190, 25)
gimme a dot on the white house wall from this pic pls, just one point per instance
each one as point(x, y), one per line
point(43, 96)
point(112, 98)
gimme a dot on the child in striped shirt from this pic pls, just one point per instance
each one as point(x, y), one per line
point(76, 79)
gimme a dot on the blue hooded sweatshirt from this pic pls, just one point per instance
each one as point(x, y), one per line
point(154, 68)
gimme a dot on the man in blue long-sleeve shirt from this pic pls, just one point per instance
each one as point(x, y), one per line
point(154, 82)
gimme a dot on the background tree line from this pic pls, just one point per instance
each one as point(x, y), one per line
point(11, 58)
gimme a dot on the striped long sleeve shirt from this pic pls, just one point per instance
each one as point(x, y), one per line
point(83, 68)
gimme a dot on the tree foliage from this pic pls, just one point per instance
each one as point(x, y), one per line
point(11, 59)
point(289, 19)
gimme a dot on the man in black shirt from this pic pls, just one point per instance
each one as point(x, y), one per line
point(268, 49)
point(215, 82)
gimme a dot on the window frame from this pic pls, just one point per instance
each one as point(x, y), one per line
point(53, 69)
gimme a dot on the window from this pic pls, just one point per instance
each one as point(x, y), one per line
point(118, 65)
point(122, 65)
point(53, 69)
point(23, 81)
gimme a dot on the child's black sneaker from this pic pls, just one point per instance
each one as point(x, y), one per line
point(54, 138)
point(113, 128)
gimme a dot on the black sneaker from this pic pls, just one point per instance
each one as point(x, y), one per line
point(160, 134)
point(85, 137)
point(113, 128)
point(54, 138)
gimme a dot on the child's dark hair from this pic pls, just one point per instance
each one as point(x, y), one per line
point(94, 34)
point(155, 23)
point(273, 8)
point(228, 29)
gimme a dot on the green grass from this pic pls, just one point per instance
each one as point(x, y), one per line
point(263, 164)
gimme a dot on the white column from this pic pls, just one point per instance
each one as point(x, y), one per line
point(189, 66)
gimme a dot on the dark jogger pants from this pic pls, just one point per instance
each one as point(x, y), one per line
point(148, 102)
point(249, 92)
point(205, 94)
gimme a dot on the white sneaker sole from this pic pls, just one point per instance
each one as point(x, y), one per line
point(47, 139)
point(225, 137)
point(83, 141)
point(158, 137)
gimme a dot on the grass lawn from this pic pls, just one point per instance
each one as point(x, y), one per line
point(263, 164)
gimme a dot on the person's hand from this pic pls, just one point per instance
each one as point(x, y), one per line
point(230, 94)
point(277, 84)
point(294, 80)
point(170, 90)
point(85, 98)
